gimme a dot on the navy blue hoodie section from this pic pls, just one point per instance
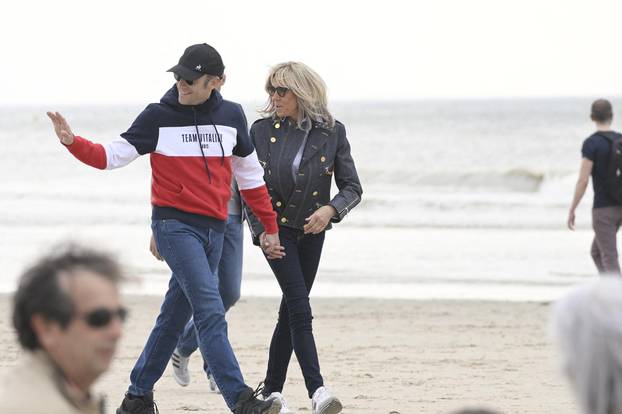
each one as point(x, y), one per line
point(143, 134)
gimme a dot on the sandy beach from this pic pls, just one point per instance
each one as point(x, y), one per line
point(378, 356)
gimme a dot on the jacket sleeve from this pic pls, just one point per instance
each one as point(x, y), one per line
point(254, 225)
point(346, 178)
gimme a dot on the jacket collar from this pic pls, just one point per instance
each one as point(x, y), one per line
point(287, 122)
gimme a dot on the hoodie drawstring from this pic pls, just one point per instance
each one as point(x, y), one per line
point(222, 149)
point(196, 126)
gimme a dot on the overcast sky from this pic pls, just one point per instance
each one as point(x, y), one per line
point(118, 51)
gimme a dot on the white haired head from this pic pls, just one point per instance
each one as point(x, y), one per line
point(587, 326)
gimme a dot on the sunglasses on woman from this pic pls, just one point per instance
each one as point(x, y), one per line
point(178, 78)
point(280, 90)
point(101, 317)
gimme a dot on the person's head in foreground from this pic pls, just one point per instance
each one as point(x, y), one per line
point(67, 306)
point(602, 112)
point(587, 326)
point(295, 91)
point(199, 71)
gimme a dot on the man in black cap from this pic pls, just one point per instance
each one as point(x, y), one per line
point(195, 139)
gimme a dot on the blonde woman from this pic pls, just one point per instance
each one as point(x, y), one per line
point(301, 148)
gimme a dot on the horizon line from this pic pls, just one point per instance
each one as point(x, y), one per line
point(342, 101)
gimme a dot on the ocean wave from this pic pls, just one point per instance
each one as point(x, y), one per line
point(520, 180)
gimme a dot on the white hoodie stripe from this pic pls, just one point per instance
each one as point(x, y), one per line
point(248, 172)
point(119, 153)
point(183, 141)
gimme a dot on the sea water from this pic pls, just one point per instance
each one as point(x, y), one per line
point(462, 199)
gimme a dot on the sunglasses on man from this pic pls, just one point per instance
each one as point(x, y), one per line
point(101, 317)
point(280, 90)
point(178, 78)
point(189, 82)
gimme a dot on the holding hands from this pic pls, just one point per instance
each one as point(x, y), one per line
point(62, 128)
point(271, 245)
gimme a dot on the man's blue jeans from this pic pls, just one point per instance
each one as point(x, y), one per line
point(192, 253)
point(229, 275)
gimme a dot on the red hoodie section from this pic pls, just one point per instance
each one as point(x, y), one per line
point(183, 183)
point(197, 195)
point(259, 201)
point(88, 152)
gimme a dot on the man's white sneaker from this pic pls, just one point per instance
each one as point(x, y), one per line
point(180, 368)
point(213, 387)
point(279, 396)
point(324, 403)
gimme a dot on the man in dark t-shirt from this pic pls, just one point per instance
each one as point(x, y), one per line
point(606, 212)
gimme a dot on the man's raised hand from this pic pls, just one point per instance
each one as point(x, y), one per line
point(62, 128)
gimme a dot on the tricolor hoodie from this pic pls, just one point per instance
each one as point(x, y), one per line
point(193, 152)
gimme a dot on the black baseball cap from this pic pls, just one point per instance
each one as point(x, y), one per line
point(198, 60)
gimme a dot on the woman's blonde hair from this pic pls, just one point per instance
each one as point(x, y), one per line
point(306, 85)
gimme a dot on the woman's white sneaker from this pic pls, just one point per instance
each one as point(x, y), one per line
point(324, 403)
point(279, 396)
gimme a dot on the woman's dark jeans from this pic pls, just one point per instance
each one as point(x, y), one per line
point(295, 273)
